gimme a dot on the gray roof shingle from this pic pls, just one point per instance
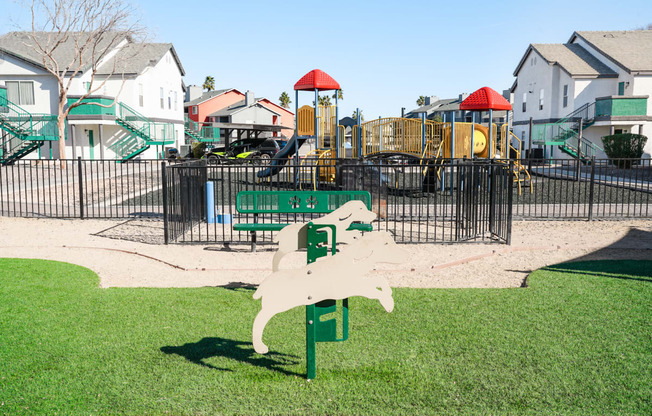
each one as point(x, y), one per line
point(236, 107)
point(574, 59)
point(21, 45)
point(206, 96)
point(132, 58)
point(632, 50)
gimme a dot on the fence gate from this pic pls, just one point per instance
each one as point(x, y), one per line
point(184, 197)
point(484, 201)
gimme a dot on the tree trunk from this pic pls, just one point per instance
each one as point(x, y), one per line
point(61, 126)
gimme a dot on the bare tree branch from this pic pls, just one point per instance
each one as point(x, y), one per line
point(78, 37)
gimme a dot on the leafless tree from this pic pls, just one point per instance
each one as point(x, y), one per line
point(75, 37)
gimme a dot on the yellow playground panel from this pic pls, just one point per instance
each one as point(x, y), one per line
point(406, 136)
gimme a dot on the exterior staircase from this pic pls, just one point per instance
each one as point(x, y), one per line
point(143, 133)
point(23, 132)
point(200, 133)
point(565, 134)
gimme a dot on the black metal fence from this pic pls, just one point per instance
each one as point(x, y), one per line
point(81, 189)
point(591, 189)
point(418, 202)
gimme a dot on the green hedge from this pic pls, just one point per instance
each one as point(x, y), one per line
point(624, 146)
point(198, 149)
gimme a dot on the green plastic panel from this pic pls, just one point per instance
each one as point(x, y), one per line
point(299, 202)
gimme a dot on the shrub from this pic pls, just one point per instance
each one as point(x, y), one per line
point(624, 146)
point(198, 149)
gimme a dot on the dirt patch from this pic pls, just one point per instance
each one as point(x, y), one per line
point(129, 253)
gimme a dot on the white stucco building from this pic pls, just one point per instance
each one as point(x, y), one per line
point(603, 78)
point(143, 79)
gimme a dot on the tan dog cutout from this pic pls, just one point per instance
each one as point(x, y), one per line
point(334, 277)
point(295, 236)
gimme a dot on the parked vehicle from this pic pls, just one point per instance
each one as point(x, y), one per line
point(262, 150)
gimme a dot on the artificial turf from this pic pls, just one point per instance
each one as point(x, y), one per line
point(576, 341)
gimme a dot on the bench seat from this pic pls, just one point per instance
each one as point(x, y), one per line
point(293, 202)
point(279, 227)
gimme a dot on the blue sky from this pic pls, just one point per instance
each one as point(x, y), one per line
point(384, 54)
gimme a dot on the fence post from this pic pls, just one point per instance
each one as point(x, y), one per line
point(510, 199)
point(81, 188)
point(166, 235)
point(579, 151)
point(529, 148)
point(492, 196)
point(591, 186)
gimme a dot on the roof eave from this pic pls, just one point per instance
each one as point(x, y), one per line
point(22, 58)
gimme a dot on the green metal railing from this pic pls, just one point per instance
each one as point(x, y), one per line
point(200, 131)
point(14, 119)
point(565, 133)
point(560, 132)
point(152, 133)
point(23, 131)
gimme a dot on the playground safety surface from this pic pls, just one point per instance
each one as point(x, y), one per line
point(131, 253)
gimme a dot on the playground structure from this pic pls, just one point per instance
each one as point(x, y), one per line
point(411, 140)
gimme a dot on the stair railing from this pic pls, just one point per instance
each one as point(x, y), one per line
point(16, 120)
point(137, 121)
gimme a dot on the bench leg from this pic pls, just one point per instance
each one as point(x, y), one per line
point(253, 241)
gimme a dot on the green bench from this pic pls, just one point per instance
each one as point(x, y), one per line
point(293, 202)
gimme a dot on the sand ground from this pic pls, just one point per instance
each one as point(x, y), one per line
point(125, 253)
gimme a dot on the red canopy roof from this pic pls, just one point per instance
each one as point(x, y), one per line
point(485, 99)
point(316, 79)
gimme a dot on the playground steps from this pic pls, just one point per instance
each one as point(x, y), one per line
point(23, 132)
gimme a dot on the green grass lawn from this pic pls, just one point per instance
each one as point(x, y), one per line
point(576, 341)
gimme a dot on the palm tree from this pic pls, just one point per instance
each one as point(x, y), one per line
point(338, 94)
point(209, 83)
point(324, 100)
point(355, 115)
point(284, 99)
point(421, 101)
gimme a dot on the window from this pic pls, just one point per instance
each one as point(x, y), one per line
point(141, 97)
point(162, 99)
point(170, 101)
point(565, 102)
point(524, 101)
point(175, 100)
point(621, 88)
point(194, 110)
point(541, 99)
point(20, 92)
point(87, 86)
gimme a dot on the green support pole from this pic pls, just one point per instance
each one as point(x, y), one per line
point(311, 364)
point(316, 329)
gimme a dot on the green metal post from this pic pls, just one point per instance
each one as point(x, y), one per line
point(317, 247)
point(311, 365)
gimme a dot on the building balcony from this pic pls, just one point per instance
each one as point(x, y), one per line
point(621, 106)
point(93, 111)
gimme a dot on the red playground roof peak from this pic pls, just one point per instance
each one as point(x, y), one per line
point(316, 79)
point(485, 99)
